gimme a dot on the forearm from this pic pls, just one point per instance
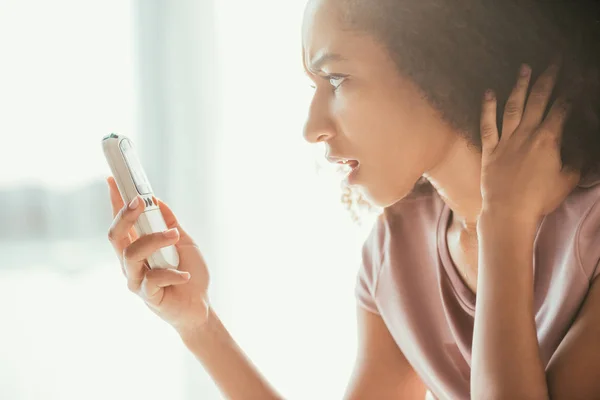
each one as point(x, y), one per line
point(505, 352)
point(232, 371)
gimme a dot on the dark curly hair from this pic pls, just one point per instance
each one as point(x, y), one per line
point(456, 49)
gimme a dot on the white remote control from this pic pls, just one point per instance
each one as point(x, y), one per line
point(132, 181)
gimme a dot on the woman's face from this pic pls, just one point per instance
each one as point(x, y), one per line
point(365, 111)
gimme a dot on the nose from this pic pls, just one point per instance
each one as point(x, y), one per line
point(319, 126)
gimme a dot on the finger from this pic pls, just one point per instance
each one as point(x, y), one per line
point(513, 111)
point(135, 255)
point(172, 222)
point(554, 123)
point(118, 233)
point(115, 197)
point(540, 96)
point(168, 214)
point(118, 204)
point(489, 128)
point(152, 288)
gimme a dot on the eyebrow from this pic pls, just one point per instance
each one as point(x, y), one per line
point(317, 63)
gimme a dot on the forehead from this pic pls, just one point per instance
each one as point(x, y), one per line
point(322, 28)
point(326, 30)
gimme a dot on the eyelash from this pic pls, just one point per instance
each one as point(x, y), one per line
point(330, 78)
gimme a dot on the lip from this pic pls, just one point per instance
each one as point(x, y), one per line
point(352, 164)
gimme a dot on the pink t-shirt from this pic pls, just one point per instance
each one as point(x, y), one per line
point(408, 278)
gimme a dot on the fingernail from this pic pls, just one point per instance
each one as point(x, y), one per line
point(186, 275)
point(489, 94)
point(134, 203)
point(525, 70)
point(171, 233)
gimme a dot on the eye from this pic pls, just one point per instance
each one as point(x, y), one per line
point(336, 80)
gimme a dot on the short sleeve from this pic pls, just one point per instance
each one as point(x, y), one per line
point(366, 282)
point(589, 242)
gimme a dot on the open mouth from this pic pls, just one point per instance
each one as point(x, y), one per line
point(347, 167)
point(349, 163)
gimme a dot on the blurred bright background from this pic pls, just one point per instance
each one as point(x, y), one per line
point(214, 95)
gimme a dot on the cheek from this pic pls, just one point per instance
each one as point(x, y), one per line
point(365, 120)
point(397, 164)
point(391, 142)
point(382, 129)
point(392, 171)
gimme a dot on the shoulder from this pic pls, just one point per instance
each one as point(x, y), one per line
point(573, 229)
point(585, 200)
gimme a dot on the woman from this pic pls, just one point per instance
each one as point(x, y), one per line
point(478, 279)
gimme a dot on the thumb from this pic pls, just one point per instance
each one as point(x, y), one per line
point(116, 200)
point(489, 127)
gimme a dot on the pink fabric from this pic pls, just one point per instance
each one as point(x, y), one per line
point(408, 278)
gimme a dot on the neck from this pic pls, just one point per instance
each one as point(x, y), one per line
point(457, 179)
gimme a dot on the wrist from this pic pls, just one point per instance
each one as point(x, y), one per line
point(503, 227)
point(498, 217)
point(196, 333)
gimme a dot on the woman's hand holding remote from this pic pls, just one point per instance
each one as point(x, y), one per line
point(178, 296)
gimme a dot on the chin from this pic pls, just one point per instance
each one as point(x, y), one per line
point(383, 197)
point(383, 189)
